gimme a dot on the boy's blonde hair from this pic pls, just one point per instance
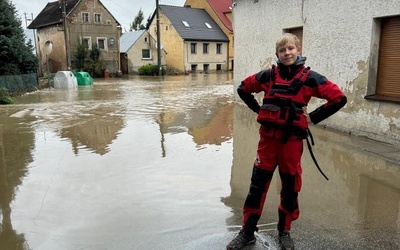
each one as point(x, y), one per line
point(286, 38)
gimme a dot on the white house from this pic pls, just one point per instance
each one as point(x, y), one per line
point(138, 48)
point(353, 43)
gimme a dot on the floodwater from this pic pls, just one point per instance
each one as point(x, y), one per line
point(149, 163)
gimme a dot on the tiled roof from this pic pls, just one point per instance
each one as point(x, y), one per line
point(128, 39)
point(221, 7)
point(52, 14)
point(196, 19)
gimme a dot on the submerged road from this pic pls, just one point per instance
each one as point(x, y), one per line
point(143, 163)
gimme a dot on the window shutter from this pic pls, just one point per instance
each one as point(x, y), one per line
point(388, 77)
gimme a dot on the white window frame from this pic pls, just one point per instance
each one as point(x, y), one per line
point(218, 48)
point(105, 42)
point(85, 14)
point(89, 39)
point(206, 48)
point(99, 15)
point(193, 48)
point(146, 58)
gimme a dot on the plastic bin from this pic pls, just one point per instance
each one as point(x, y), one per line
point(65, 80)
point(83, 78)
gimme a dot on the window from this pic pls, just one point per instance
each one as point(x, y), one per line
point(85, 17)
point(146, 54)
point(194, 67)
point(87, 41)
point(219, 48)
point(186, 24)
point(208, 25)
point(219, 67)
point(193, 48)
point(102, 43)
point(206, 67)
point(97, 18)
point(383, 74)
point(145, 39)
point(205, 48)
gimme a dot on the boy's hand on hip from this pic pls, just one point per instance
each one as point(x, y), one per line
point(305, 113)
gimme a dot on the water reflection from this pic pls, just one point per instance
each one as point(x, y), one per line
point(66, 141)
point(357, 209)
point(94, 130)
point(374, 192)
point(16, 145)
point(200, 105)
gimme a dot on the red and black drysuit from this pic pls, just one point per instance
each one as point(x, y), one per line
point(287, 89)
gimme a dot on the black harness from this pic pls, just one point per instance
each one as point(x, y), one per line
point(294, 108)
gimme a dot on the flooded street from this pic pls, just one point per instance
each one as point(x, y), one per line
point(148, 163)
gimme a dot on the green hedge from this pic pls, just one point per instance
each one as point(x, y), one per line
point(150, 70)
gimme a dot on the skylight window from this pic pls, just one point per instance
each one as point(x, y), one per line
point(186, 24)
point(208, 25)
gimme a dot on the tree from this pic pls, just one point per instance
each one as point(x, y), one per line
point(16, 55)
point(81, 55)
point(137, 22)
point(148, 22)
point(95, 65)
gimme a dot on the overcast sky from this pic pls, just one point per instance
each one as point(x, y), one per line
point(123, 10)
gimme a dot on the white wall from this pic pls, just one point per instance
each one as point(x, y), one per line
point(337, 42)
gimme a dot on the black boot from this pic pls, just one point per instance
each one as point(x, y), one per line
point(240, 241)
point(285, 241)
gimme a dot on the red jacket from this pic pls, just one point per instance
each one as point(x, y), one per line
point(314, 85)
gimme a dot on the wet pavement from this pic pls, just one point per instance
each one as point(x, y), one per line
point(143, 163)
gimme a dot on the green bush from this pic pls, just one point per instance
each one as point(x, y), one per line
point(95, 69)
point(148, 70)
point(5, 97)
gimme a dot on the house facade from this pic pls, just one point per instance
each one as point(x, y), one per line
point(139, 48)
point(221, 12)
point(193, 40)
point(350, 42)
point(87, 21)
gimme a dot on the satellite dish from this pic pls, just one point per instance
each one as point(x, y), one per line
point(47, 47)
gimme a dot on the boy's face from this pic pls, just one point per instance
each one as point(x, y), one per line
point(288, 53)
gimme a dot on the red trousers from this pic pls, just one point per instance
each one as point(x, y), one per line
point(271, 153)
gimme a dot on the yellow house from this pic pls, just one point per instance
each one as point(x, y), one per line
point(194, 41)
point(221, 12)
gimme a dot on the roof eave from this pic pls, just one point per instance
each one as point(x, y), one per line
point(43, 25)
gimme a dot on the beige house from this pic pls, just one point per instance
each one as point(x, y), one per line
point(194, 41)
point(87, 21)
point(221, 12)
point(138, 48)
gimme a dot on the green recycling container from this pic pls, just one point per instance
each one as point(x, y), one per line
point(83, 78)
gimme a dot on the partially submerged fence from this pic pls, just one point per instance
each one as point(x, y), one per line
point(19, 83)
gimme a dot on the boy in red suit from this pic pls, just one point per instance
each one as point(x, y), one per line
point(287, 87)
